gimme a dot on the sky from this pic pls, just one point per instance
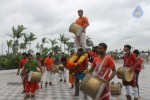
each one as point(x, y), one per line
point(111, 21)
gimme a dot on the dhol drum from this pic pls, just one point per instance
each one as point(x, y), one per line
point(38, 70)
point(115, 88)
point(76, 29)
point(61, 67)
point(125, 73)
point(55, 69)
point(92, 86)
point(34, 76)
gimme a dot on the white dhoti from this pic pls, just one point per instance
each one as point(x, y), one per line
point(62, 74)
point(82, 43)
point(48, 76)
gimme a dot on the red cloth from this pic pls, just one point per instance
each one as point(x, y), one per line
point(31, 86)
point(139, 67)
point(131, 83)
point(108, 64)
point(22, 62)
point(93, 54)
point(105, 94)
point(129, 61)
point(82, 65)
point(39, 60)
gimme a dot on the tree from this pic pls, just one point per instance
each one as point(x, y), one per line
point(23, 46)
point(89, 42)
point(31, 38)
point(61, 39)
point(70, 45)
point(38, 47)
point(9, 44)
point(17, 33)
point(53, 42)
point(65, 40)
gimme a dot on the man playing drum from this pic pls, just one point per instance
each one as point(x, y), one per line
point(130, 61)
point(80, 38)
point(71, 75)
point(21, 65)
point(48, 73)
point(79, 72)
point(40, 60)
point(106, 65)
point(30, 65)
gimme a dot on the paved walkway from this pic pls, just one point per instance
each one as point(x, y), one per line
point(11, 88)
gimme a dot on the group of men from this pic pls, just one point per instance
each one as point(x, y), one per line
point(28, 63)
point(131, 59)
point(77, 71)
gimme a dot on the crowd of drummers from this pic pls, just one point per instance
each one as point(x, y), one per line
point(102, 67)
point(93, 81)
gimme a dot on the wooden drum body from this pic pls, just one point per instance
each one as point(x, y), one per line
point(92, 86)
point(115, 88)
point(34, 76)
point(125, 73)
point(55, 69)
point(76, 29)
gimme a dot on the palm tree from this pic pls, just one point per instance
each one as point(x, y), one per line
point(70, 45)
point(44, 40)
point(9, 44)
point(38, 47)
point(53, 42)
point(23, 46)
point(26, 41)
point(31, 38)
point(65, 42)
point(56, 48)
point(61, 39)
point(89, 42)
point(17, 33)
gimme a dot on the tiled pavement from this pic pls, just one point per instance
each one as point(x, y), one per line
point(60, 90)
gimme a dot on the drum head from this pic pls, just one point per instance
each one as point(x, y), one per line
point(129, 75)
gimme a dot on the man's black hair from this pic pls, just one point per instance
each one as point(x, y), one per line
point(38, 53)
point(80, 10)
point(80, 49)
point(136, 52)
point(103, 45)
point(29, 54)
point(63, 59)
point(128, 46)
point(24, 53)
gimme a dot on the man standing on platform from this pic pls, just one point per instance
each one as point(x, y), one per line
point(80, 38)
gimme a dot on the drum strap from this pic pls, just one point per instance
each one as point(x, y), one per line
point(101, 65)
point(105, 95)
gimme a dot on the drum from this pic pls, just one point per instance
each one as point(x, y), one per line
point(115, 88)
point(76, 29)
point(38, 70)
point(125, 73)
point(55, 69)
point(92, 86)
point(61, 67)
point(34, 76)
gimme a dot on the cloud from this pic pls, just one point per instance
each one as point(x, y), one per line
point(111, 22)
